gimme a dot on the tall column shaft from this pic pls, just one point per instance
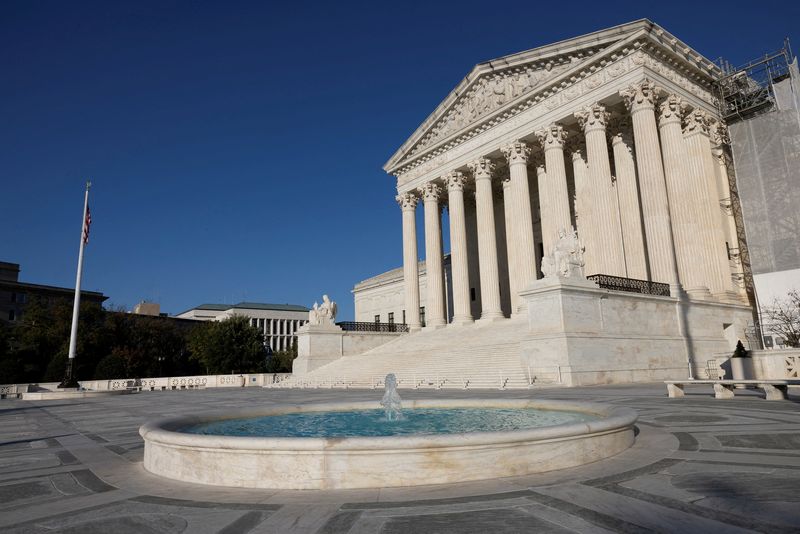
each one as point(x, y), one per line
point(434, 301)
point(458, 248)
point(729, 221)
point(524, 274)
point(640, 100)
point(487, 239)
point(605, 217)
point(682, 191)
point(628, 193)
point(583, 209)
point(511, 246)
point(553, 195)
point(702, 171)
point(408, 203)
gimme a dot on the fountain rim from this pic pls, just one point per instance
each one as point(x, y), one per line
point(166, 430)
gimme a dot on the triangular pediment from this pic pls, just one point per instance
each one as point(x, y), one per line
point(498, 84)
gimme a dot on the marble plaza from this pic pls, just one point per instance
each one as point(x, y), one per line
point(698, 465)
point(587, 188)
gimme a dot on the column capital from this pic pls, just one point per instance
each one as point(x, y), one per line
point(516, 152)
point(575, 146)
point(592, 117)
point(506, 184)
point(640, 96)
point(696, 122)
point(481, 168)
point(455, 181)
point(553, 136)
point(407, 201)
point(671, 110)
point(430, 192)
point(719, 134)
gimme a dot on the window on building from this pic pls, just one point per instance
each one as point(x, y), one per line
point(13, 297)
point(391, 317)
point(22, 298)
point(11, 315)
point(728, 249)
point(472, 293)
point(378, 318)
point(404, 317)
point(422, 315)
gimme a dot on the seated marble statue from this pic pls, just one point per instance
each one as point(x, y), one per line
point(566, 257)
point(324, 314)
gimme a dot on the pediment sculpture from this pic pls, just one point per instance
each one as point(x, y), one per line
point(566, 257)
point(323, 314)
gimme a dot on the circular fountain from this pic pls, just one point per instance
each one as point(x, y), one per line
point(226, 449)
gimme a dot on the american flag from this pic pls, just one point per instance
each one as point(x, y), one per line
point(87, 222)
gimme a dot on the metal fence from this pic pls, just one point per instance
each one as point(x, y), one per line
point(630, 285)
point(354, 326)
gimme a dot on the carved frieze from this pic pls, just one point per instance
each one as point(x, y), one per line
point(427, 156)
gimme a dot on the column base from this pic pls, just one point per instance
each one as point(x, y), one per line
point(414, 327)
point(490, 319)
point(699, 293)
point(431, 327)
point(461, 321)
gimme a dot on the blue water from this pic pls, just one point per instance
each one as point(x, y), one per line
point(374, 423)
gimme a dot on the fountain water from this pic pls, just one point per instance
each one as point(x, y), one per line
point(391, 401)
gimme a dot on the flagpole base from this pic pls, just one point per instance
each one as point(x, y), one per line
point(69, 381)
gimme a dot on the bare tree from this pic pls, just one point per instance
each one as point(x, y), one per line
point(783, 318)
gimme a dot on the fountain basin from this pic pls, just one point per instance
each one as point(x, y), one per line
point(384, 461)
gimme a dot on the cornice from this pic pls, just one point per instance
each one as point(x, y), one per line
point(649, 46)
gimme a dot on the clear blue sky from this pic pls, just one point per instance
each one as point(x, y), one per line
point(236, 147)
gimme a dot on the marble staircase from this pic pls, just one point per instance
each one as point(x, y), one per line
point(459, 357)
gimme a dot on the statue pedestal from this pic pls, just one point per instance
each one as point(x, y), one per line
point(317, 345)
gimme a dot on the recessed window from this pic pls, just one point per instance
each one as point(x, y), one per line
point(422, 315)
point(391, 317)
point(11, 315)
point(378, 318)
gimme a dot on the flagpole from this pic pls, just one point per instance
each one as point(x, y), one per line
point(69, 380)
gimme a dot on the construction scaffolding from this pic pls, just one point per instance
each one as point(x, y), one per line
point(760, 103)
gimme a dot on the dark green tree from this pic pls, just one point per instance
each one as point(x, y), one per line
point(229, 346)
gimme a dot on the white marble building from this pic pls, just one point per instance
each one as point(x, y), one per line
point(278, 322)
point(615, 133)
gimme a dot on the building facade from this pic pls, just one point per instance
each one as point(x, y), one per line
point(15, 296)
point(278, 322)
point(615, 133)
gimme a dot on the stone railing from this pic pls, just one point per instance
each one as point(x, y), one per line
point(365, 326)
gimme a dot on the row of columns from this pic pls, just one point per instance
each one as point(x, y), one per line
point(654, 220)
point(278, 333)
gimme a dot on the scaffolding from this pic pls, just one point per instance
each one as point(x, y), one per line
point(749, 90)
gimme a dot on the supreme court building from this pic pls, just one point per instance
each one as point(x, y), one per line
point(615, 133)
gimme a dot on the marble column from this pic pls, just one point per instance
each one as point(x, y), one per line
point(702, 170)
point(583, 206)
point(491, 309)
point(682, 192)
point(511, 247)
point(630, 212)
point(640, 101)
point(605, 218)
point(458, 248)
point(719, 137)
point(408, 203)
point(553, 195)
point(526, 268)
point(434, 302)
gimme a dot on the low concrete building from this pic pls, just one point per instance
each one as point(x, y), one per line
point(278, 322)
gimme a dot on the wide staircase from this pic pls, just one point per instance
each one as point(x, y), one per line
point(466, 357)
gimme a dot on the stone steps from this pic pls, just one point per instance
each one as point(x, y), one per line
point(471, 356)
